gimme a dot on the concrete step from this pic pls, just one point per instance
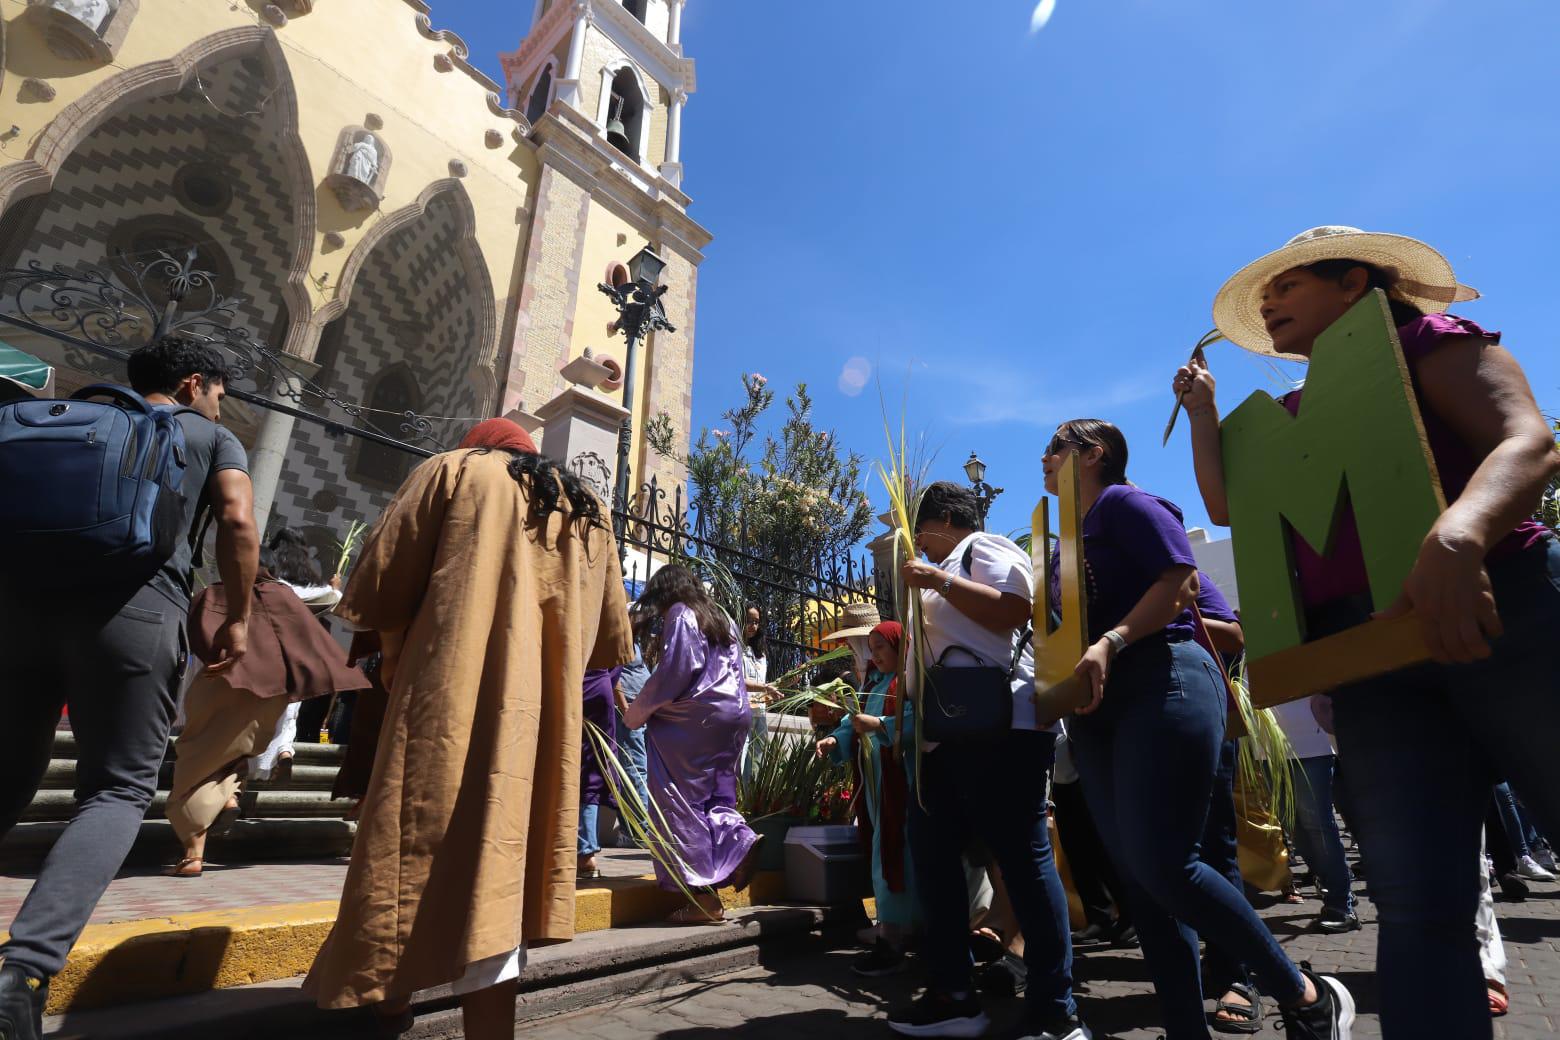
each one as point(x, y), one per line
point(252, 840)
point(61, 776)
point(263, 804)
point(307, 754)
point(595, 968)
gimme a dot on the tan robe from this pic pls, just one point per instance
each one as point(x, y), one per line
point(466, 844)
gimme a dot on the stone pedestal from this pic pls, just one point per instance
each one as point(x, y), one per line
point(580, 432)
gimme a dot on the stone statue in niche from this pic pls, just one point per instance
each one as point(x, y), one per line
point(363, 159)
point(361, 164)
point(94, 14)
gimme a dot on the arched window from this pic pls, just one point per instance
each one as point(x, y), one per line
point(625, 113)
point(541, 96)
point(379, 464)
point(637, 8)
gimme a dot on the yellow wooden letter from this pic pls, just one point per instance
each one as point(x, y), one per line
point(1058, 649)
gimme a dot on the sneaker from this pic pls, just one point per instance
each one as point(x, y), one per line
point(1330, 1018)
point(1337, 922)
point(934, 1014)
point(1545, 858)
point(1004, 978)
point(1513, 888)
point(879, 961)
point(1067, 1029)
point(1528, 868)
point(21, 1004)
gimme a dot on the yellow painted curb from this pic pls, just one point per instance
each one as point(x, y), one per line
point(127, 961)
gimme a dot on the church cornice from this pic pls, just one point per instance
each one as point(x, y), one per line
point(573, 145)
point(643, 47)
point(544, 36)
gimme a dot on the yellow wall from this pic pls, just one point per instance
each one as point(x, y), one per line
point(346, 60)
point(593, 311)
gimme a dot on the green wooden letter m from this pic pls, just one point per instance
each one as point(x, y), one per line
point(1358, 440)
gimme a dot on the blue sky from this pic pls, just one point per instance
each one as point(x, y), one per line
point(1017, 229)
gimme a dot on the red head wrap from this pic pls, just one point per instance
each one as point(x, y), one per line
point(499, 433)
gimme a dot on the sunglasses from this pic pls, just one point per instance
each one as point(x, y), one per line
point(1058, 444)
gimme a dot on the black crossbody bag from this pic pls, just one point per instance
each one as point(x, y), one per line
point(969, 704)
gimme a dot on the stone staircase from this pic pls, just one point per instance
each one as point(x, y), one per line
point(292, 822)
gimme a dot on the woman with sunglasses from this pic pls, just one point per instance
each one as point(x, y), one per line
point(1423, 744)
point(1147, 747)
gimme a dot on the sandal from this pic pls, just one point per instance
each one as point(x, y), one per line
point(742, 877)
point(188, 867)
point(1500, 1001)
point(1244, 1019)
point(693, 914)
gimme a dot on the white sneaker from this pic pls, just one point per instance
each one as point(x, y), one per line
point(1545, 859)
point(1529, 868)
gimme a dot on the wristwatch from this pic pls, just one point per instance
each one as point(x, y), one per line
point(1117, 641)
point(946, 585)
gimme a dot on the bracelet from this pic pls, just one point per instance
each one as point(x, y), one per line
point(1117, 641)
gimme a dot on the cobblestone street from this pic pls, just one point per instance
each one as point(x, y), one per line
point(815, 996)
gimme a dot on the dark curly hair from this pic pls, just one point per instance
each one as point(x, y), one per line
point(286, 555)
point(159, 368)
point(549, 484)
point(672, 585)
point(950, 502)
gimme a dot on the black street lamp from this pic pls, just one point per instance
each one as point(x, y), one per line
point(985, 494)
point(638, 300)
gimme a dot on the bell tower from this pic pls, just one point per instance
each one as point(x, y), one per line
point(602, 84)
point(617, 63)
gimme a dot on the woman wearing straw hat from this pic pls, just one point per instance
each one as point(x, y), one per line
point(1421, 742)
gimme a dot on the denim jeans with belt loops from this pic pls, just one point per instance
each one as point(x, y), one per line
point(1148, 757)
point(1422, 747)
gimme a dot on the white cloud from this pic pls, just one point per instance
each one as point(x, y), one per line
point(855, 376)
point(1043, 12)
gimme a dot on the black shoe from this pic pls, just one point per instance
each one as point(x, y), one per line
point(21, 1004)
point(1003, 978)
point(1094, 935)
point(933, 1014)
point(1066, 1029)
point(1126, 937)
point(1330, 1018)
point(881, 960)
point(1336, 922)
point(1513, 888)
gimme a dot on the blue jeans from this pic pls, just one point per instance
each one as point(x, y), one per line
point(631, 748)
point(1148, 758)
point(1422, 748)
point(586, 843)
point(994, 793)
point(1316, 830)
point(1511, 821)
point(1221, 851)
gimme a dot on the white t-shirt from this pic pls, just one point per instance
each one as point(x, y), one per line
point(754, 667)
point(998, 563)
point(1308, 739)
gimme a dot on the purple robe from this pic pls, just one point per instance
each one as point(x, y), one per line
point(599, 708)
point(695, 708)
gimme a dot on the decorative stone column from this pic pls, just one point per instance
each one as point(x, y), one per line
point(886, 557)
point(273, 436)
point(580, 427)
point(568, 87)
point(672, 168)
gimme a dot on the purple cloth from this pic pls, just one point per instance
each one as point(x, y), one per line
point(1211, 602)
point(696, 714)
point(1341, 575)
point(1130, 538)
point(599, 708)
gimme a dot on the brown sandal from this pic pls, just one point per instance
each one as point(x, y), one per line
point(693, 914)
point(183, 868)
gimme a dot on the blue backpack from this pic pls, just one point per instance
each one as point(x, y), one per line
point(90, 491)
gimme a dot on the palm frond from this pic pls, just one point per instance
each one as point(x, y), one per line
point(1265, 740)
point(348, 546)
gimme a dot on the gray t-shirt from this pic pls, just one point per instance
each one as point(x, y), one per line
point(208, 449)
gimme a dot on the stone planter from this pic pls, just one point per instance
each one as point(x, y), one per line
point(771, 855)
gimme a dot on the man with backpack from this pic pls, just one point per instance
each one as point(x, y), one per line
point(101, 631)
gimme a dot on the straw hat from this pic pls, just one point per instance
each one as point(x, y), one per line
point(1424, 278)
point(859, 619)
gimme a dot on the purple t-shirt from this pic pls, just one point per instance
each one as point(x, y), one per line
point(1341, 575)
point(1211, 602)
point(1130, 538)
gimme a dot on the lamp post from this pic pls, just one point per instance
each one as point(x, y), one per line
point(638, 300)
point(985, 494)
